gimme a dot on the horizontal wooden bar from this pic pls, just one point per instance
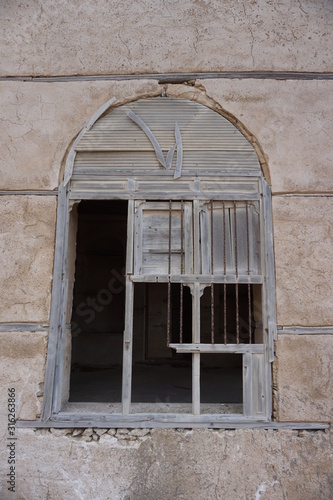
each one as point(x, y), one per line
point(195, 278)
point(23, 327)
point(305, 330)
point(95, 173)
point(314, 194)
point(168, 421)
point(180, 77)
point(104, 194)
point(27, 192)
point(218, 348)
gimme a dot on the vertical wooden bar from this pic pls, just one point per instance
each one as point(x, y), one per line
point(57, 302)
point(225, 285)
point(196, 356)
point(248, 271)
point(212, 325)
point(129, 297)
point(181, 305)
point(247, 385)
point(196, 237)
point(258, 383)
point(59, 368)
point(236, 272)
point(128, 348)
point(266, 233)
point(188, 237)
point(268, 295)
point(169, 273)
point(196, 313)
point(137, 229)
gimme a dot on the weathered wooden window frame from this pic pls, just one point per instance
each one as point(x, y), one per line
point(56, 383)
point(56, 378)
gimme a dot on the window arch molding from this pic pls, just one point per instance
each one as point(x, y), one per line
point(188, 154)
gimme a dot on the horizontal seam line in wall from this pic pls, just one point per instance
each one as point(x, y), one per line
point(36, 192)
point(180, 77)
point(305, 330)
point(22, 327)
point(320, 194)
point(40, 192)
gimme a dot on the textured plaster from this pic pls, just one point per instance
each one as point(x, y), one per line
point(39, 122)
point(22, 362)
point(293, 123)
point(27, 235)
point(172, 464)
point(164, 36)
point(303, 375)
point(303, 243)
point(288, 122)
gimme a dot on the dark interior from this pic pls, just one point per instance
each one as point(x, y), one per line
point(160, 375)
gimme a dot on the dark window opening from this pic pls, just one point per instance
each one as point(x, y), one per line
point(221, 378)
point(98, 302)
point(160, 375)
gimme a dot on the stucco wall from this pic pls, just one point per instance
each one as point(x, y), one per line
point(175, 464)
point(165, 36)
point(290, 124)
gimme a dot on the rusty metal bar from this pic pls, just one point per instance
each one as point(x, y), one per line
point(236, 272)
point(212, 323)
point(225, 285)
point(181, 271)
point(248, 271)
point(169, 272)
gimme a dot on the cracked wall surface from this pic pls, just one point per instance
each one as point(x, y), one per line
point(291, 121)
point(22, 361)
point(290, 125)
point(175, 464)
point(304, 377)
point(39, 122)
point(165, 36)
point(303, 236)
point(27, 236)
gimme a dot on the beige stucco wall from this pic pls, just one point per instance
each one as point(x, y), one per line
point(27, 236)
point(290, 121)
point(39, 121)
point(303, 237)
point(303, 375)
point(22, 361)
point(175, 464)
point(165, 36)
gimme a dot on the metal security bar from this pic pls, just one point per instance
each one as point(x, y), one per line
point(181, 312)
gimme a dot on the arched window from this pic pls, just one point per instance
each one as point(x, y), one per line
point(163, 306)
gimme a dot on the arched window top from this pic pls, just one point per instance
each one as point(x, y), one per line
point(193, 286)
point(164, 139)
